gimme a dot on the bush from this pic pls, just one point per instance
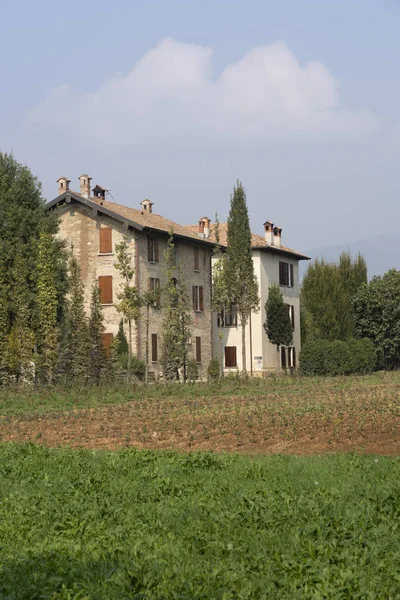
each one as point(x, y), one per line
point(192, 370)
point(213, 369)
point(320, 357)
point(138, 367)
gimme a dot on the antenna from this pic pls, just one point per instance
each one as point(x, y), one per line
point(110, 194)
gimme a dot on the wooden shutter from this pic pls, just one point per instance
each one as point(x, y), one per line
point(105, 240)
point(283, 357)
point(150, 249)
point(198, 349)
point(106, 291)
point(194, 297)
point(196, 259)
point(201, 298)
point(155, 242)
point(293, 357)
point(281, 276)
point(230, 356)
point(154, 349)
point(107, 341)
point(291, 283)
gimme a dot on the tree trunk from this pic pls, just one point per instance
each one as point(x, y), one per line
point(244, 368)
point(147, 343)
point(129, 366)
point(221, 369)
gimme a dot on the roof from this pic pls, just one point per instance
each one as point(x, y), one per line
point(257, 241)
point(137, 218)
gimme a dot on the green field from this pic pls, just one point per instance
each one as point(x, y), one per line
point(81, 524)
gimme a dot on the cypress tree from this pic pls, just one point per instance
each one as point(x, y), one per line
point(277, 324)
point(151, 301)
point(98, 359)
point(122, 342)
point(239, 271)
point(220, 294)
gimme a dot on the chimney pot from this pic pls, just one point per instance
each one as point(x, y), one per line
point(269, 232)
point(63, 185)
point(85, 185)
point(147, 205)
point(277, 236)
point(204, 227)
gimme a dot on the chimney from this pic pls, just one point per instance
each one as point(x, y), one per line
point(85, 185)
point(63, 185)
point(269, 232)
point(277, 236)
point(147, 205)
point(204, 227)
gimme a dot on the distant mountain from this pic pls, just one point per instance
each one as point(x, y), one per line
point(381, 253)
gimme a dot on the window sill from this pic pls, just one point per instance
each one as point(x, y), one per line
point(153, 262)
point(105, 254)
point(107, 304)
point(196, 270)
point(199, 312)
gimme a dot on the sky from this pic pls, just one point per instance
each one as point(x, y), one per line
point(175, 100)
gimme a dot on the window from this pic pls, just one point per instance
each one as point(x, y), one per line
point(286, 275)
point(230, 356)
point(291, 314)
point(154, 348)
point(105, 240)
point(196, 259)
point(106, 291)
point(152, 249)
point(283, 357)
point(198, 298)
point(154, 284)
point(107, 341)
point(292, 356)
point(198, 349)
point(229, 317)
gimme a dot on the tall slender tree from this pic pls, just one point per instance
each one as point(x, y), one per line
point(98, 359)
point(220, 295)
point(239, 270)
point(151, 302)
point(277, 326)
point(130, 301)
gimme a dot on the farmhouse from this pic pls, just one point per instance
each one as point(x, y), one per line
point(92, 225)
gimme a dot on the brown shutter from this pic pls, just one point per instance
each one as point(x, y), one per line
point(230, 356)
point(155, 242)
point(201, 294)
point(105, 240)
point(198, 349)
point(154, 349)
point(196, 259)
point(281, 273)
point(149, 249)
point(283, 357)
point(194, 297)
point(107, 341)
point(291, 275)
point(106, 292)
point(294, 356)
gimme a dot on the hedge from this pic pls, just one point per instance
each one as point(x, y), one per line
point(320, 357)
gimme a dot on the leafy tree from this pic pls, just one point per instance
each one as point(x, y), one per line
point(176, 327)
point(130, 300)
point(377, 316)
point(220, 296)
point(151, 301)
point(277, 324)
point(327, 292)
point(239, 271)
point(98, 360)
point(76, 352)
point(121, 339)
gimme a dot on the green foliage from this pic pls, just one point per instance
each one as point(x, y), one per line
point(192, 370)
point(213, 370)
point(239, 272)
point(138, 366)
point(327, 293)
point(377, 316)
point(123, 347)
point(321, 357)
point(220, 300)
point(176, 326)
point(76, 351)
point(98, 361)
point(277, 324)
point(163, 526)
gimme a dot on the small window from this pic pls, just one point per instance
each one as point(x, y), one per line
point(198, 298)
point(229, 317)
point(230, 357)
point(152, 249)
point(106, 240)
point(107, 342)
point(154, 348)
point(198, 349)
point(106, 290)
point(286, 274)
point(196, 259)
point(154, 284)
point(291, 314)
point(283, 357)
point(292, 356)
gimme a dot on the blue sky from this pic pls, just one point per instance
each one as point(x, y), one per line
point(174, 100)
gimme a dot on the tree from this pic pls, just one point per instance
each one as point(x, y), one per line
point(98, 359)
point(277, 326)
point(239, 271)
point(377, 316)
point(327, 292)
point(151, 301)
point(130, 300)
point(176, 326)
point(220, 296)
point(122, 342)
point(76, 353)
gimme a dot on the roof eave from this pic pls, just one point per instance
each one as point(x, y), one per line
point(282, 251)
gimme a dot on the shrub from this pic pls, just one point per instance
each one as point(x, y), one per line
point(320, 357)
point(213, 369)
point(138, 367)
point(192, 370)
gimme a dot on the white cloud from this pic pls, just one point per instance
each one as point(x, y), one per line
point(170, 97)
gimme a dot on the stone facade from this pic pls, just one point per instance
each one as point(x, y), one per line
point(80, 226)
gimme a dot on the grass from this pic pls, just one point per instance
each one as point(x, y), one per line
point(145, 525)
